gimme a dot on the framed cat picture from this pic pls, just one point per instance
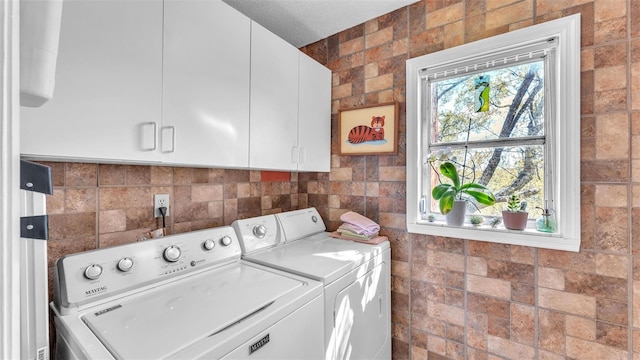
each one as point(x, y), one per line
point(369, 130)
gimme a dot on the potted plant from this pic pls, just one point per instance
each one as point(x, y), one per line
point(495, 222)
point(453, 195)
point(476, 220)
point(516, 216)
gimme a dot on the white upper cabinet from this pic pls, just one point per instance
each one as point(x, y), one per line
point(107, 99)
point(314, 119)
point(189, 82)
point(290, 106)
point(274, 101)
point(205, 85)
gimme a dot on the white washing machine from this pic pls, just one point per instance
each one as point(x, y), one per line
point(356, 278)
point(186, 296)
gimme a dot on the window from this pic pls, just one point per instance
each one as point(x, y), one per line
point(507, 108)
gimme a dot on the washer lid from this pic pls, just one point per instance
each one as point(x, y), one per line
point(168, 319)
point(319, 257)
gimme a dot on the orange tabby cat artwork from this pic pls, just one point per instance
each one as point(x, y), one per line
point(362, 133)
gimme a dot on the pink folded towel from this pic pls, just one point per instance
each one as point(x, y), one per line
point(360, 224)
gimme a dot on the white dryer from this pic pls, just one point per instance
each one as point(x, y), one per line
point(356, 278)
point(186, 296)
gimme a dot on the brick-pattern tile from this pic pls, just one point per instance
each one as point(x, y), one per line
point(450, 298)
point(578, 301)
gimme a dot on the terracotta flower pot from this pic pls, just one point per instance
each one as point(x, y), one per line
point(515, 220)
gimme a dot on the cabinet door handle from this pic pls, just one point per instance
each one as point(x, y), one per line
point(294, 154)
point(144, 136)
point(302, 156)
point(173, 138)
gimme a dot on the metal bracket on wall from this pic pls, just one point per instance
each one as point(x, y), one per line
point(34, 178)
point(34, 227)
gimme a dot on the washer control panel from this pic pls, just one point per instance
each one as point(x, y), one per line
point(88, 276)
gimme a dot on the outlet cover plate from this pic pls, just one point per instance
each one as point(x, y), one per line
point(160, 200)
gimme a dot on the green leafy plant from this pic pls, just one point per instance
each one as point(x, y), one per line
point(515, 205)
point(457, 189)
point(515, 217)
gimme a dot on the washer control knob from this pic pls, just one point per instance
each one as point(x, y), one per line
point(93, 271)
point(172, 253)
point(225, 241)
point(260, 231)
point(208, 244)
point(125, 264)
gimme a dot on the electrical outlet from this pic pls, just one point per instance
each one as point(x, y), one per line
point(160, 200)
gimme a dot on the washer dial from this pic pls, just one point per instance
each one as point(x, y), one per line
point(93, 271)
point(225, 241)
point(208, 244)
point(125, 264)
point(172, 253)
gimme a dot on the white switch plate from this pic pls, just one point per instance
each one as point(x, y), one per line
point(160, 200)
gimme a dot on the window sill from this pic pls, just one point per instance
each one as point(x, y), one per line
point(527, 237)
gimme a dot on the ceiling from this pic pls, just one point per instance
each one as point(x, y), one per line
point(302, 22)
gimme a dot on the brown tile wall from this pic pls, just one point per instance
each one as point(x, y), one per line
point(451, 298)
point(466, 299)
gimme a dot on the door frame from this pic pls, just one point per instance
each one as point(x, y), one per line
point(9, 180)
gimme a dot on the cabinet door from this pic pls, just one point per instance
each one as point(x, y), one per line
point(274, 101)
point(106, 104)
point(314, 119)
point(206, 84)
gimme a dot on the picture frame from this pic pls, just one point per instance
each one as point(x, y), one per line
point(369, 130)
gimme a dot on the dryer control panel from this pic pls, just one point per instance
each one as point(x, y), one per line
point(298, 224)
point(258, 233)
point(266, 231)
point(88, 276)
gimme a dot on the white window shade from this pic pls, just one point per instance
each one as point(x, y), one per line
point(504, 58)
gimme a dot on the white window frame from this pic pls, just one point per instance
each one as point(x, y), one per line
point(566, 136)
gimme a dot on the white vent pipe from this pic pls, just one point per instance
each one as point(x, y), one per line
point(39, 37)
